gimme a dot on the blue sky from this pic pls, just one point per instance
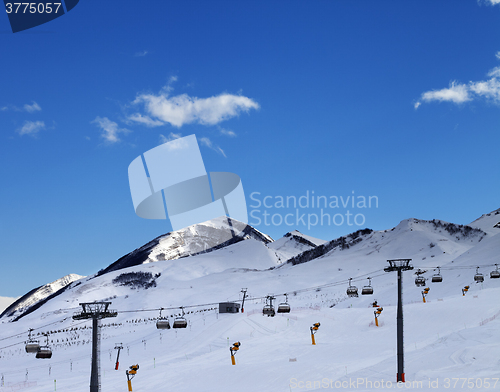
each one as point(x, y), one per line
point(398, 100)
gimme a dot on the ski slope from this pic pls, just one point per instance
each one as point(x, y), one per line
point(450, 336)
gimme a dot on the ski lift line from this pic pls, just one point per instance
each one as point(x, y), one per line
point(24, 342)
point(43, 326)
point(458, 267)
point(327, 285)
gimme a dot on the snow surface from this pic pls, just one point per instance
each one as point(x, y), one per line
point(450, 336)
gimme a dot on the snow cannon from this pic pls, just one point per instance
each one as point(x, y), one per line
point(314, 329)
point(465, 289)
point(233, 350)
point(377, 313)
point(130, 375)
point(424, 293)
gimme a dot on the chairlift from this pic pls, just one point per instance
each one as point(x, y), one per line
point(478, 277)
point(367, 290)
point(180, 322)
point(437, 278)
point(268, 309)
point(352, 291)
point(495, 274)
point(284, 307)
point(162, 322)
point(44, 352)
point(32, 346)
point(419, 280)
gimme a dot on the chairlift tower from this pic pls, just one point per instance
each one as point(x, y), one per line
point(95, 311)
point(400, 265)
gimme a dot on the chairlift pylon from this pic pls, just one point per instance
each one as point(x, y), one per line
point(284, 307)
point(495, 274)
point(162, 322)
point(367, 290)
point(437, 278)
point(352, 291)
point(478, 277)
point(180, 322)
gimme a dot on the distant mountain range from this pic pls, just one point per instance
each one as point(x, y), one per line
point(223, 245)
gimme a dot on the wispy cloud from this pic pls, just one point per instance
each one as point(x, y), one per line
point(460, 92)
point(109, 129)
point(144, 120)
point(141, 54)
point(497, 54)
point(227, 132)
point(493, 2)
point(31, 128)
point(34, 107)
point(183, 109)
point(207, 142)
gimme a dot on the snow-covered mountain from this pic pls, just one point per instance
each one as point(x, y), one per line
point(39, 294)
point(449, 336)
point(292, 244)
point(490, 223)
point(196, 239)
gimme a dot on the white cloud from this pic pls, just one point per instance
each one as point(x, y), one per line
point(34, 107)
point(497, 55)
point(489, 89)
point(183, 109)
point(457, 93)
point(110, 129)
point(141, 54)
point(493, 2)
point(227, 132)
point(460, 93)
point(207, 142)
point(31, 128)
point(145, 120)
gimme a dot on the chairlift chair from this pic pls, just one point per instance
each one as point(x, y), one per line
point(44, 352)
point(180, 322)
point(32, 346)
point(437, 278)
point(495, 274)
point(162, 322)
point(268, 309)
point(478, 277)
point(419, 280)
point(367, 290)
point(284, 307)
point(352, 291)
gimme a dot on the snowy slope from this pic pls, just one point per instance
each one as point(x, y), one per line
point(449, 336)
point(292, 244)
point(490, 223)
